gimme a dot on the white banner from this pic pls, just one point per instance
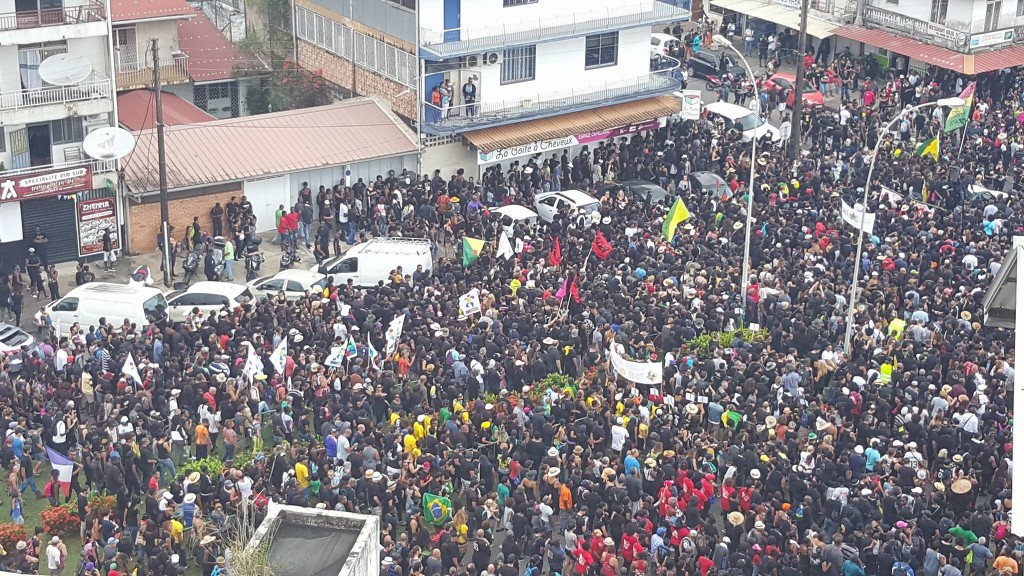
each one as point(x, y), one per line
point(394, 333)
point(691, 105)
point(469, 303)
point(852, 216)
point(649, 373)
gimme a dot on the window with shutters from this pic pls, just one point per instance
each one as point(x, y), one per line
point(519, 65)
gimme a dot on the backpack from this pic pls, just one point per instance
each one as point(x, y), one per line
point(48, 489)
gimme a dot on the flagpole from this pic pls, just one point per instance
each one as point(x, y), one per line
point(963, 139)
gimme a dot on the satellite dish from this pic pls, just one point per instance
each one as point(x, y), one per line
point(108, 143)
point(64, 69)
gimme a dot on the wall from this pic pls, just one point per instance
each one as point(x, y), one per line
point(398, 30)
point(480, 18)
point(448, 158)
point(145, 217)
point(338, 71)
point(165, 30)
point(560, 68)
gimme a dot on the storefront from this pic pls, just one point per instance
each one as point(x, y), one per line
point(64, 204)
point(550, 136)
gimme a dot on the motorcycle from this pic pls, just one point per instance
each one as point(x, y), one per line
point(289, 257)
point(714, 82)
point(253, 261)
point(141, 277)
point(191, 265)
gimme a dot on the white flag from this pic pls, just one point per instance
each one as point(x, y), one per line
point(394, 333)
point(504, 247)
point(253, 364)
point(336, 358)
point(131, 369)
point(372, 353)
point(469, 303)
point(280, 356)
point(852, 215)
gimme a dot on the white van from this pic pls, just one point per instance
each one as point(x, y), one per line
point(368, 263)
point(88, 303)
point(742, 119)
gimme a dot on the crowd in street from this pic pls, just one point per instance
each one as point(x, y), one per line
point(767, 451)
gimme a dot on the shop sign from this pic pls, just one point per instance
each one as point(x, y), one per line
point(991, 38)
point(94, 218)
point(913, 26)
point(691, 105)
point(505, 154)
point(41, 185)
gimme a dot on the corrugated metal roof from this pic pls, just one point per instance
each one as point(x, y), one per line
point(133, 10)
point(778, 14)
point(135, 110)
point(994, 60)
point(935, 55)
point(490, 139)
point(258, 146)
point(211, 56)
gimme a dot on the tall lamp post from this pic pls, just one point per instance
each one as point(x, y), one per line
point(941, 103)
point(723, 42)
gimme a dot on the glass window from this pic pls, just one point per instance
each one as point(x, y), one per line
point(155, 306)
point(410, 4)
point(272, 286)
point(348, 265)
point(992, 10)
point(602, 50)
point(519, 64)
point(294, 286)
point(939, 8)
point(3, 136)
point(67, 130)
point(66, 305)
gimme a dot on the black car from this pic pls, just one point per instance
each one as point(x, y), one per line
point(707, 64)
point(639, 190)
point(710, 184)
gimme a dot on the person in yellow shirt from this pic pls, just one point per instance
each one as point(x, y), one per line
point(411, 446)
point(177, 530)
point(302, 474)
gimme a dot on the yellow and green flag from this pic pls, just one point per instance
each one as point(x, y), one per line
point(677, 214)
point(436, 509)
point(929, 147)
point(958, 117)
point(471, 248)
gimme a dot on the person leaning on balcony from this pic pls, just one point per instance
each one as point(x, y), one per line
point(469, 96)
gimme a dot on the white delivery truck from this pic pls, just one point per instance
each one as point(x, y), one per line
point(368, 263)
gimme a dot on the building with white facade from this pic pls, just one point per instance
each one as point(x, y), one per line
point(548, 74)
point(45, 178)
point(965, 36)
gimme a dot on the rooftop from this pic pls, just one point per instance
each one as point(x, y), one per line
point(355, 130)
point(136, 10)
point(211, 55)
point(136, 110)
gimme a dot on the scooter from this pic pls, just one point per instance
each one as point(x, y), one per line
point(289, 257)
point(253, 261)
point(191, 265)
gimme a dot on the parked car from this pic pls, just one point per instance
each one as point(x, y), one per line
point(210, 297)
point(785, 83)
point(295, 283)
point(513, 215)
point(663, 44)
point(742, 119)
point(709, 184)
point(13, 338)
point(371, 262)
point(644, 191)
point(88, 303)
point(549, 203)
point(707, 64)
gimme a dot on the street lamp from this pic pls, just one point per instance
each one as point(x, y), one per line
point(941, 103)
point(723, 42)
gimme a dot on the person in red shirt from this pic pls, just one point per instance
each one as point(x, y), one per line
point(583, 557)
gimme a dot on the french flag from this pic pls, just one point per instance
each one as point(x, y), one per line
point(64, 468)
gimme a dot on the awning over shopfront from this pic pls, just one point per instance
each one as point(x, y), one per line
point(936, 55)
point(779, 14)
point(586, 121)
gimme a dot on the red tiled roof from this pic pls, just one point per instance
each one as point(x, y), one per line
point(131, 10)
point(135, 110)
point(211, 56)
point(936, 55)
point(355, 130)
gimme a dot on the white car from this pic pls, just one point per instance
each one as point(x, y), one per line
point(513, 214)
point(210, 297)
point(742, 119)
point(549, 204)
point(294, 282)
point(13, 338)
point(663, 44)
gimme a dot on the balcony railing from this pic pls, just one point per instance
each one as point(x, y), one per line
point(464, 117)
point(461, 41)
point(173, 70)
point(98, 167)
point(52, 17)
point(95, 88)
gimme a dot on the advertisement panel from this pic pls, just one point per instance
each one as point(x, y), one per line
point(94, 217)
point(41, 185)
point(691, 105)
point(505, 154)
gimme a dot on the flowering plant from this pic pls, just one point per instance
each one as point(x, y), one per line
point(99, 505)
point(10, 534)
point(59, 521)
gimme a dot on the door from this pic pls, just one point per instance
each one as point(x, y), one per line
point(452, 19)
point(546, 208)
point(126, 49)
point(20, 156)
point(266, 196)
point(40, 144)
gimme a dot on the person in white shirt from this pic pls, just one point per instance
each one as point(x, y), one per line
point(55, 557)
point(619, 435)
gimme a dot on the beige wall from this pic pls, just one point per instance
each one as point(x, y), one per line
point(338, 71)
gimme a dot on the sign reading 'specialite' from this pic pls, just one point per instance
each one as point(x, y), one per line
point(41, 185)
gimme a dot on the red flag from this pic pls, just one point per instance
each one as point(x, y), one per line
point(602, 248)
point(555, 258)
point(574, 289)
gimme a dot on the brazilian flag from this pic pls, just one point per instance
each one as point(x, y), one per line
point(436, 509)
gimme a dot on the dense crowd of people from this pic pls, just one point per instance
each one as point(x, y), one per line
point(768, 451)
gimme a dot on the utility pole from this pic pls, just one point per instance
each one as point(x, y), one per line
point(162, 163)
point(798, 90)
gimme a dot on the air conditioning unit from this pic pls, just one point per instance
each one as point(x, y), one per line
point(94, 121)
point(472, 61)
point(490, 58)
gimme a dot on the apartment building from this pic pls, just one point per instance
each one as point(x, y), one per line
point(46, 180)
point(546, 74)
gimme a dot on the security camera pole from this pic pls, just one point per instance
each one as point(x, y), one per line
point(798, 90)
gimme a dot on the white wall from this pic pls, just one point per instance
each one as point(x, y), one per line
point(95, 49)
point(480, 18)
point(561, 67)
point(448, 158)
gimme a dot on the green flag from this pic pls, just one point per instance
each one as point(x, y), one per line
point(436, 509)
point(958, 116)
point(471, 248)
point(678, 213)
